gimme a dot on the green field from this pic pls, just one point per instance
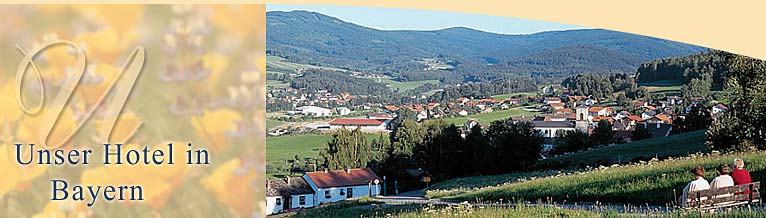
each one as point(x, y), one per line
point(650, 183)
point(273, 123)
point(489, 117)
point(666, 87)
point(660, 147)
point(276, 84)
point(507, 96)
point(368, 208)
point(404, 86)
point(281, 148)
point(283, 65)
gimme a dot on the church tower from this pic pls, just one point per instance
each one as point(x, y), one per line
point(581, 119)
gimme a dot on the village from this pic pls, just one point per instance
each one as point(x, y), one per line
point(551, 114)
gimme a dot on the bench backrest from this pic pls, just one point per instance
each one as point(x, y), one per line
point(714, 196)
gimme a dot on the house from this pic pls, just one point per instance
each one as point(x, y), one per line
point(380, 116)
point(660, 118)
point(600, 111)
point(463, 100)
point(552, 101)
point(719, 108)
point(365, 125)
point(315, 111)
point(548, 129)
point(461, 112)
point(514, 101)
point(288, 194)
point(390, 108)
point(343, 111)
point(557, 106)
point(648, 114)
point(337, 185)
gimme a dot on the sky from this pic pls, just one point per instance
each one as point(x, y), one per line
point(411, 19)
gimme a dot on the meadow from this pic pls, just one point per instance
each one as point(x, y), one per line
point(644, 183)
point(366, 207)
point(273, 123)
point(491, 116)
point(661, 147)
point(281, 148)
point(405, 86)
point(666, 87)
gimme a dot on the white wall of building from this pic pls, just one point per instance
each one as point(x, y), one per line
point(550, 132)
point(295, 201)
point(271, 205)
point(335, 193)
point(378, 128)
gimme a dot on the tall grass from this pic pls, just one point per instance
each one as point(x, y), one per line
point(647, 183)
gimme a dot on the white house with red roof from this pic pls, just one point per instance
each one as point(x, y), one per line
point(338, 185)
point(366, 125)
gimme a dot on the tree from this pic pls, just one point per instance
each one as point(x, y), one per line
point(515, 145)
point(641, 133)
point(603, 134)
point(347, 149)
point(405, 137)
point(742, 127)
point(477, 150)
point(570, 141)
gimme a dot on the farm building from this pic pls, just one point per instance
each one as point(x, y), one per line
point(366, 125)
point(337, 185)
point(287, 194)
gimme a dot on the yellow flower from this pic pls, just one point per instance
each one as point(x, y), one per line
point(212, 127)
point(29, 128)
point(232, 185)
point(62, 209)
point(106, 44)
point(11, 110)
point(123, 129)
point(217, 63)
point(16, 176)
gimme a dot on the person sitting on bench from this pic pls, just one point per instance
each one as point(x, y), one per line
point(722, 180)
point(699, 183)
point(740, 175)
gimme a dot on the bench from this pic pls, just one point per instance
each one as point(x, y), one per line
point(724, 197)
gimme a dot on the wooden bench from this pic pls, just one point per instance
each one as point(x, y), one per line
point(724, 197)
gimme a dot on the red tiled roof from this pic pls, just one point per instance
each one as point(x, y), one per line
point(355, 122)
point(663, 118)
point(391, 108)
point(340, 178)
point(636, 118)
point(597, 109)
point(557, 104)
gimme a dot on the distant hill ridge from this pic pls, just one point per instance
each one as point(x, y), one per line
point(317, 39)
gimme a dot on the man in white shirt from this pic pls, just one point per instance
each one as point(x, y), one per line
point(699, 183)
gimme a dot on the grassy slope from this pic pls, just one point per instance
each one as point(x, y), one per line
point(667, 87)
point(273, 123)
point(677, 145)
point(489, 117)
point(405, 86)
point(661, 147)
point(636, 184)
point(354, 208)
point(506, 96)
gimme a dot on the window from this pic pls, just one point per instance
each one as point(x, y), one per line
point(350, 192)
point(302, 200)
point(327, 194)
point(342, 192)
point(279, 201)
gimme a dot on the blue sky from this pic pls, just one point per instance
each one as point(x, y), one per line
point(411, 19)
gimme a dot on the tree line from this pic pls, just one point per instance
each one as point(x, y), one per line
point(438, 148)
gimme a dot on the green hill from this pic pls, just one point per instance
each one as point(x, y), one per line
point(650, 183)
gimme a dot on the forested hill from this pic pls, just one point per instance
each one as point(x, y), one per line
point(707, 68)
point(317, 39)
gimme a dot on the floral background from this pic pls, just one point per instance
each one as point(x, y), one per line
point(203, 83)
